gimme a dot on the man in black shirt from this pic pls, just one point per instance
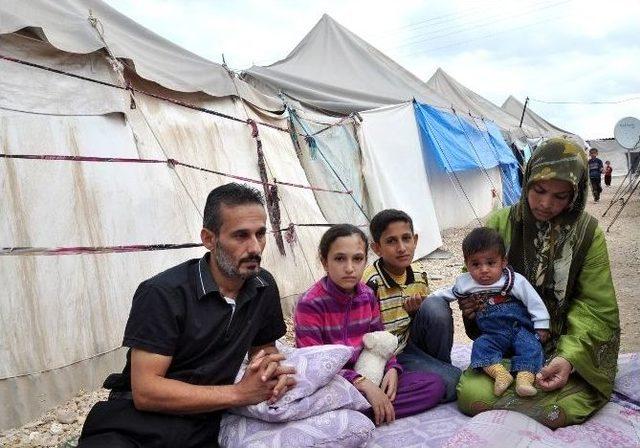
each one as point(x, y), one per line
point(188, 332)
point(595, 173)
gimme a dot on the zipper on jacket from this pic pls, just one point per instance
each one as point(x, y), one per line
point(346, 322)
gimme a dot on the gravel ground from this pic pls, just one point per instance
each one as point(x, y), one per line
point(65, 422)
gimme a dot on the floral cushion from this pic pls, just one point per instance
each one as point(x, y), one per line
point(612, 426)
point(341, 428)
point(627, 384)
point(318, 388)
point(338, 394)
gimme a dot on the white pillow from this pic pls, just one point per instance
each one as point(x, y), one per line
point(342, 428)
point(318, 389)
point(315, 366)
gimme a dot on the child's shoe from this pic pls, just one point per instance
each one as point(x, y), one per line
point(524, 384)
point(502, 378)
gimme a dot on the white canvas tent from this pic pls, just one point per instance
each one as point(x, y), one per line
point(63, 312)
point(65, 24)
point(389, 135)
point(514, 107)
point(332, 69)
point(465, 100)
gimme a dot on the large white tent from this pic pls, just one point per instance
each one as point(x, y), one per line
point(514, 107)
point(105, 186)
point(333, 69)
point(79, 232)
point(467, 101)
point(389, 134)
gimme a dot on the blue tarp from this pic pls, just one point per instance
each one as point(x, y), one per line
point(458, 143)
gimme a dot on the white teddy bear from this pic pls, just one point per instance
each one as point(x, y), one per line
point(379, 347)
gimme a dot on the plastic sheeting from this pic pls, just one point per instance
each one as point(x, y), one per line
point(333, 69)
point(394, 170)
point(459, 144)
point(333, 161)
point(65, 24)
point(465, 100)
point(459, 196)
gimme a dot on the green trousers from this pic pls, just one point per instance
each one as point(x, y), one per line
point(572, 404)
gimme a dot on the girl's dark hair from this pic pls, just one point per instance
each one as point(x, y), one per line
point(337, 231)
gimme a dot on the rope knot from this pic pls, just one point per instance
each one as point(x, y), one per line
point(254, 127)
point(313, 146)
point(290, 234)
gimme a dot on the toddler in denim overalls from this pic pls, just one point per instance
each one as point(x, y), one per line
point(512, 319)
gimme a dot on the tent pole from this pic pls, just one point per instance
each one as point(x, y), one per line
point(523, 110)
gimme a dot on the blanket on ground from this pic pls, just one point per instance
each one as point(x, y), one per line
point(616, 425)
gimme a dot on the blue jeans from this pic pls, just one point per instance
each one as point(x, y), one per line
point(507, 329)
point(430, 342)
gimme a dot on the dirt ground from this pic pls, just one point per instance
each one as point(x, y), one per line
point(623, 239)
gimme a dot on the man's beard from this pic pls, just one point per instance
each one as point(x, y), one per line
point(229, 268)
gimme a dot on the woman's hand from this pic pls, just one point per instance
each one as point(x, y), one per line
point(382, 407)
point(470, 307)
point(390, 383)
point(543, 335)
point(554, 375)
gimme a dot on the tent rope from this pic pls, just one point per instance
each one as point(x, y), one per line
point(337, 123)
point(170, 162)
point(484, 169)
point(309, 137)
point(138, 90)
point(451, 173)
point(119, 69)
point(89, 250)
point(496, 153)
point(270, 193)
point(289, 232)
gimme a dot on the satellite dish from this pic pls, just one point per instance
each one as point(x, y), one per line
point(627, 132)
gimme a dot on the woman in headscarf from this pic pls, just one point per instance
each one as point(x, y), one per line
point(561, 250)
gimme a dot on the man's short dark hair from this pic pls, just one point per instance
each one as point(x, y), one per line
point(381, 221)
point(230, 194)
point(483, 239)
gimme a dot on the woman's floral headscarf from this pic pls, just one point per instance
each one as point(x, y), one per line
point(544, 251)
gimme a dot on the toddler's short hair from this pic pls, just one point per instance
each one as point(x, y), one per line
point(482, 239)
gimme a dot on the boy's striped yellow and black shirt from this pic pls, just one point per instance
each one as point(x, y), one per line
point(391, 296)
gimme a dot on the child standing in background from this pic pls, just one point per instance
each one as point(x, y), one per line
point(595, 173)
point(608, 170)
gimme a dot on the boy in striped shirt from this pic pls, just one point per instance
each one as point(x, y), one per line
point(424, 327)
